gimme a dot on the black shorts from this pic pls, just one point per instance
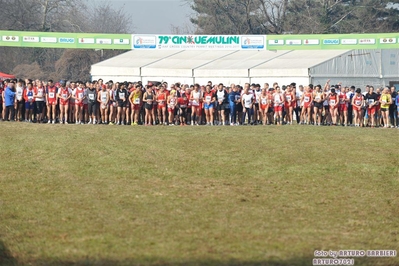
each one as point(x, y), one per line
point(121, 104)
point(226, 107)
point(21, 103)
point(39, 106)
point(270, 110)
point(239, 107)
point(92, 107)
point(385, 109)
point(221, 107)
point(318, 105)
point(183, 112)
point(148, 106)
point(256, 105)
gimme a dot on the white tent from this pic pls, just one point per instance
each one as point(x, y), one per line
point(127, 66)
point(179, 67)
point(233, 68)
point(360, 68)
point(350, 67)
point(293, 66)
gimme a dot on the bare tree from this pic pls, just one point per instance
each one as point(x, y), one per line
point(57, 16)
point(294, 16)
point(104, 18)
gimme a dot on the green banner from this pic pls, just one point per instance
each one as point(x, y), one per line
point(333, 41)
point(66, 40)
point(199, 42)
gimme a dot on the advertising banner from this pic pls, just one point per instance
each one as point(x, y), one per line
point(333, 41)
point(199, 42)
point(65, 40)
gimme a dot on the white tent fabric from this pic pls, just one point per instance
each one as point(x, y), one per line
point(359, 68)
point(350, 67)
point(127, 66)
point(181, 64)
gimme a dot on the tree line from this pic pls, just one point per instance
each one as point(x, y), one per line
point(294, 16)
point(58, 16)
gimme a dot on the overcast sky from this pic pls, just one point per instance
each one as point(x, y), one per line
point(163, 14)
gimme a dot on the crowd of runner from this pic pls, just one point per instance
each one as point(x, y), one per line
point(134, 103)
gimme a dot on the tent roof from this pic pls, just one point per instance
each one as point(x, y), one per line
point(129, 63)
point(182, 63)
point(6, 76)
point(213, 63)
point(297, 63)
point(236, 64)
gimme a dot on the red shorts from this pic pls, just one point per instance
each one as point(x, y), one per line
point(264, 106)
point(372, 110)
point(71, 104)
point(85, 106)
point(357, 108)
point(343, 108)
point(64, 103)
point(198, 107)
point(278, 108)
point(53, 102)
point(136, 107)
point(333, 107)
point(160, 106)
point(288, 105)
point(171, 110)
point(307, 105)
point(79, 104)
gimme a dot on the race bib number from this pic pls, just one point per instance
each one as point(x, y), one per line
point(307, 99)
point(137, 101)
point(237, 97)
point(194, 103)
point(288, 97)
point(51, 94)
point(40, 94)
point(104, 98)
point(64, 96)
point(183, 106)
point(80, 95)
point(357, 102)
point(121, 95)
point(161, 102)
point(277, 101)
point(91, 97)
point(264, 101)
point(371, 101)
point(208, 98)
point(317, 98)
point(332, 102)
point(19, 93)
point(30, 98)
point(248, 102)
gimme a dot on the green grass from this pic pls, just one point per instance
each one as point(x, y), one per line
point(108, 195)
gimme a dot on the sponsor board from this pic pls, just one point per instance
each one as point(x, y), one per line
point(66, 40)
point(144, 42)
point(253, 42)
point(86, 40)
point(10, 38)
point(30, 39)
point(103, 41)
point(349, 41)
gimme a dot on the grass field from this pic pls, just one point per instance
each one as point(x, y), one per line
point(108, 195)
